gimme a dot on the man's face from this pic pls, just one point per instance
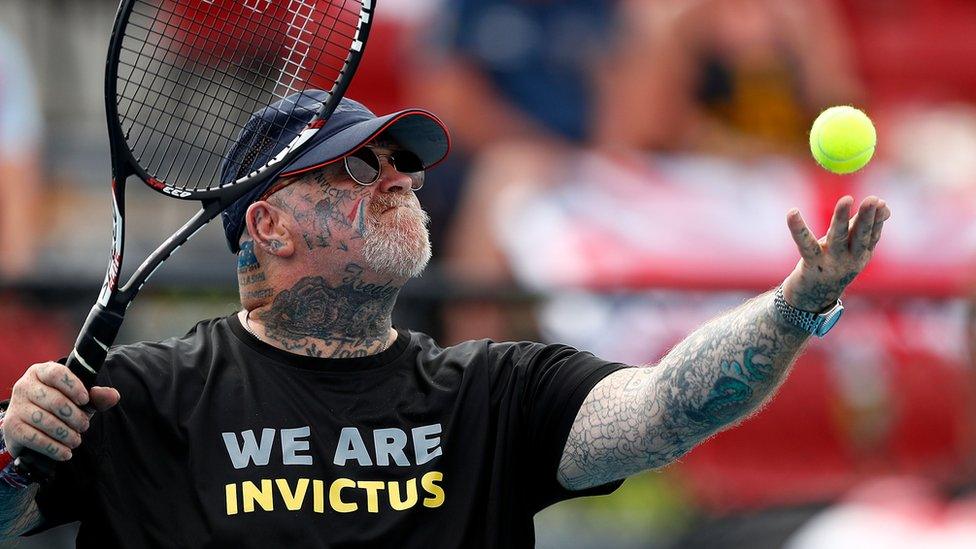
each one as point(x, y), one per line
point(380, 226)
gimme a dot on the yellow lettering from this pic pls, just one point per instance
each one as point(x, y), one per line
point(293, 501)
point(263, 496)
point(259, 494)
point(231, 491)
point(427, 481)
point(334, 493)
point(318, 496)
point(372, 488)
point(394, 488)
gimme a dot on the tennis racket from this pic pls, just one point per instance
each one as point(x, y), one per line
point(182, 79)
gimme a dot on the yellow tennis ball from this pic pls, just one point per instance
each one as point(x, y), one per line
point(843, 139)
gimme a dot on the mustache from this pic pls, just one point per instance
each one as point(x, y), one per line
point(379, 205)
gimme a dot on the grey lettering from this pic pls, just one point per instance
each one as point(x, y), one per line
point(390, 443)
point(351, 446)
point(259, 453)
point(426, 446)
point(290, 445)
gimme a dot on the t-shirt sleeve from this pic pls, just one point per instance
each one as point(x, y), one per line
point(539, 390)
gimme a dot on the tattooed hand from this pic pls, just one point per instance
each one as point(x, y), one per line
point(828, 265)
point(44, 411)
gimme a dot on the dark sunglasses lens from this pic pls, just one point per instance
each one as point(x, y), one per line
point(407, 162)
point(410, 164)
point(363, 166)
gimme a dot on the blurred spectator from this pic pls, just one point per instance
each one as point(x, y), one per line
point(535, 83)
point(19, 162)
point(514, 79)
point(517, 81)
point(519, 69)
point(735, 77)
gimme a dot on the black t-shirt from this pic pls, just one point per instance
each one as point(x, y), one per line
point(221, 440)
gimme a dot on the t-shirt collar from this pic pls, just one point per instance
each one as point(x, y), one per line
point(342, 365)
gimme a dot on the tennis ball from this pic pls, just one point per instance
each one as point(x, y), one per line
point(842, 139)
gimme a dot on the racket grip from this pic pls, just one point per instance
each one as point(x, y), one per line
point(96, 336)
point(98, 333)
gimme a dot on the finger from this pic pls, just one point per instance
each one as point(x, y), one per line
point(54, 401)
point(104, 398)
point(837, 233)
point(805, 242)
point(60, 377)
point(27, 436)
point(884, 212)
point(862, 225)
point(875, 234)
point(53, 427)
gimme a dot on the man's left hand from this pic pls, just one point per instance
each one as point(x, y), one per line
point(828, 265)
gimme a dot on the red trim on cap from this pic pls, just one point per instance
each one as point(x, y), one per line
point(316, 124)
point(373, 135)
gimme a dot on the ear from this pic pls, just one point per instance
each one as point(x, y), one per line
point(267, 225)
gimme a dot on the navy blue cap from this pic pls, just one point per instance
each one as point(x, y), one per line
point(349, 127)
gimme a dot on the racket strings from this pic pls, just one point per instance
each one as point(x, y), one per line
point(192, 72)
point(210, 52)
point(259, 147)
point(164, 74)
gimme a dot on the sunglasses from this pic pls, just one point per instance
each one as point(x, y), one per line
point(364, 166)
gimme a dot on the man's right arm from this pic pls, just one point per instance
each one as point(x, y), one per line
point(44, 415)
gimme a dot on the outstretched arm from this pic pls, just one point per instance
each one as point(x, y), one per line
point(643, 418)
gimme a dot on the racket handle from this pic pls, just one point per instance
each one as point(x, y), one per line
point(96, 336)
point(98, 333)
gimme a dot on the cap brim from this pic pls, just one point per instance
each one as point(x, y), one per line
point(416, 130)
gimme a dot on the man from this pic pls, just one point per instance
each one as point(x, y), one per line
point(306, 419)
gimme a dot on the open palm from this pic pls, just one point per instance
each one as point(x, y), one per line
point(827, 265)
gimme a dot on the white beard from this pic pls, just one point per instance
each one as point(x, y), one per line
point(398, 243)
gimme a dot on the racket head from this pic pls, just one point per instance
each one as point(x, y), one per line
point(184, 77)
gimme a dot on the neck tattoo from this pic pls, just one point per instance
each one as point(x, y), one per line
point(317, 317)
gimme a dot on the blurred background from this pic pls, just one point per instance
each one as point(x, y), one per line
point(621, 172)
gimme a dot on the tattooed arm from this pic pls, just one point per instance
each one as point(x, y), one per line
point(643, 418)
point(640, 418)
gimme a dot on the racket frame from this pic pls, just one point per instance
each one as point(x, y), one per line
point(104, 321)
